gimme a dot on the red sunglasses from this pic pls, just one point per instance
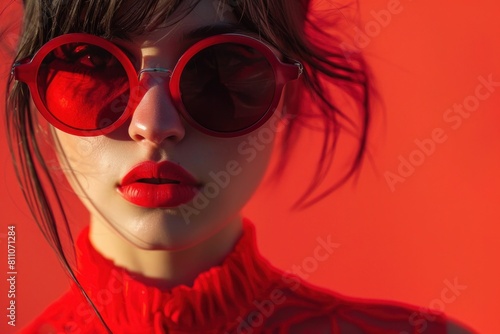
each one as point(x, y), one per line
point(225, 85)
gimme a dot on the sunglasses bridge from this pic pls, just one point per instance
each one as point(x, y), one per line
point(161, 70)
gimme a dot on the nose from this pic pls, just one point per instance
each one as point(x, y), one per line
point(155, 118)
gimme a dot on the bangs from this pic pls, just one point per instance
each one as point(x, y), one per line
point(111, 18)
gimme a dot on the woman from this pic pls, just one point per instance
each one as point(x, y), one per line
point(162, 116)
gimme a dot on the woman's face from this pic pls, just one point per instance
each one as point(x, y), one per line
point(227, 170)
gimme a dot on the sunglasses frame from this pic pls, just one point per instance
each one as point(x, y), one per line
point(27, 71)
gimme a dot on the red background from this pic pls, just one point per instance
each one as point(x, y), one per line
point(440, 224)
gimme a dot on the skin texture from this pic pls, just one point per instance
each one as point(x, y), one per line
point(167, 246)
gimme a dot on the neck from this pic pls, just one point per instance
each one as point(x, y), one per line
point(166, 269)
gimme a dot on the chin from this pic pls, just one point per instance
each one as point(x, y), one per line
point(166, 229)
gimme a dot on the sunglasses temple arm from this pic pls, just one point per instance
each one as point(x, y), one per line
point(21, 70)
point(292, 71)
point(300, 68)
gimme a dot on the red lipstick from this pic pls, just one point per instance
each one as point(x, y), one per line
point(158, 185)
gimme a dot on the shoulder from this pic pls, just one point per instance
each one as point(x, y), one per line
point(377, 321)
point(308, 308)
point(63, 315)
point(453, 327)
point(362, 324)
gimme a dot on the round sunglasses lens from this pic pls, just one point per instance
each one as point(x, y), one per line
point(83, 86)
point(227, 87)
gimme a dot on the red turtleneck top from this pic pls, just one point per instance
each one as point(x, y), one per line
point(245, 294)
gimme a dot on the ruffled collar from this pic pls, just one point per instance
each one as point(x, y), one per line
point(218, 295)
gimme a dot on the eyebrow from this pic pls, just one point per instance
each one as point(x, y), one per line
point(211, 30)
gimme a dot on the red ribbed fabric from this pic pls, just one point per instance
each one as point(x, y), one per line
point(245, 294)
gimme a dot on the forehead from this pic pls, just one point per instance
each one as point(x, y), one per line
point(190, 23)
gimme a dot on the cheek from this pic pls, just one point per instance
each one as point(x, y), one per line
point(255, 149)
point(79, 152)
point(245, 166)
point(81, 158)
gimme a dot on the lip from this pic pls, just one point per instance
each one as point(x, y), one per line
point(158, 185)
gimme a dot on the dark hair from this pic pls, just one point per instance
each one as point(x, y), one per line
point(288, 25)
